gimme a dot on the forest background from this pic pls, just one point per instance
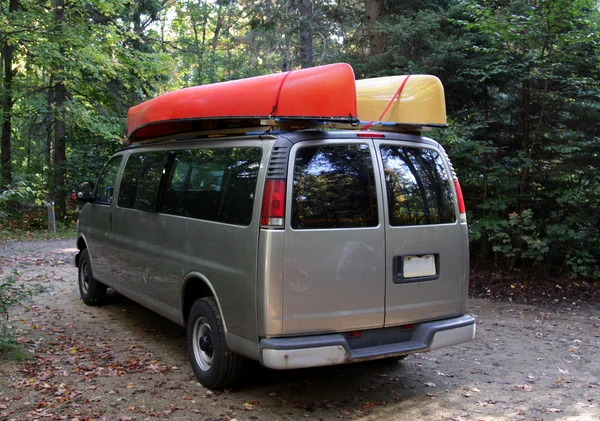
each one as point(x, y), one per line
point(521, 80)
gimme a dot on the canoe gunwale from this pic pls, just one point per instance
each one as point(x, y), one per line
point(233, 124)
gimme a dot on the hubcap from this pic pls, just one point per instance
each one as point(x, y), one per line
point(206, 343)
point(203, 344)
point(84, 277)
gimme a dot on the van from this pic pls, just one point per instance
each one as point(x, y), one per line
point(294, 248)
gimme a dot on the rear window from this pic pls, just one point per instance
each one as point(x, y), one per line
point(418, 186)
point(213, 184)
point(334, 187)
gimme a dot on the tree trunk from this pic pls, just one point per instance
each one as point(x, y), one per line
point(526, 139)
point(48, 125)
point(60, 96)
point(484, 244)
point(305, 8)
point(199, 49)
point(376, 41)
point(7, 105)
point(215, 43)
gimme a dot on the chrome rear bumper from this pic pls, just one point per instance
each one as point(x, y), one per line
point(332, 349)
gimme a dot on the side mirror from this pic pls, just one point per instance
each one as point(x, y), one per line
point(85, 191)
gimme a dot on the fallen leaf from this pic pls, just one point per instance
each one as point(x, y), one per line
point(429, 384)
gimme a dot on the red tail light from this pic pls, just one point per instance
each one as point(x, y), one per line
point(459, 197)
point(273, 204)
point(371, 135)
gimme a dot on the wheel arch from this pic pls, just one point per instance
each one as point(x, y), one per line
point(81, 242)
point(195, 286)
point(81, 245)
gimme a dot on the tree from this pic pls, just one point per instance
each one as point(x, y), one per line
point(6, 101)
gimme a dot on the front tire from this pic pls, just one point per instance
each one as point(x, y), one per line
point(92, 292)
point(214, 365)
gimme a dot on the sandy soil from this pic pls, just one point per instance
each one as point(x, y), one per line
point(122, 362)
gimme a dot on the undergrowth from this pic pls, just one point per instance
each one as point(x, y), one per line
point(13, 293)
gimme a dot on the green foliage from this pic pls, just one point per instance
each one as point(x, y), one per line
point(524, 131)
point(13, 293)
point(520, 79)
point(17, 195)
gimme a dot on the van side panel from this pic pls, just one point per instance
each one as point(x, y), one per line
point(466, 265)
point(159, 250)
point(270, 288)
point(145, 268)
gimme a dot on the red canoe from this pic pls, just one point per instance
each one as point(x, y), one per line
point(324, 93)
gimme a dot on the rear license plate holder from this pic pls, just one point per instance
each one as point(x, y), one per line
point(416, 268)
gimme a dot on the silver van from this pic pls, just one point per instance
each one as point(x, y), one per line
point(300, 249)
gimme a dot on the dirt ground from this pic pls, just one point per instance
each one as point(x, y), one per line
point(122, 362)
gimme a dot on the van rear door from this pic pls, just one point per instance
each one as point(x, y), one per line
point(334, 276)
point(425, 269)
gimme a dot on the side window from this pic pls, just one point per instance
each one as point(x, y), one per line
point(213, 184)
point(106, 182)
point(334, 187)
point(418, 186)
point(141, 181)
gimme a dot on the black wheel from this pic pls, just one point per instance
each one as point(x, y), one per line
point(215, 366)
point(92, 292)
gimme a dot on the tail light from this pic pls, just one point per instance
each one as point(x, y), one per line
point(371, 135)
point(273, 204)
point(461, 201)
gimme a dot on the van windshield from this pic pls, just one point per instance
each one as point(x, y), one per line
point(418, 186)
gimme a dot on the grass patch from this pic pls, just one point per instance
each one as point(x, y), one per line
point(13, 352)
point(32, 235)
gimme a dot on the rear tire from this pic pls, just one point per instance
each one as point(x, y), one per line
point(92, 292)
point(214, 365)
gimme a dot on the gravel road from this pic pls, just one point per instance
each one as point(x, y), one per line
point(122, 362)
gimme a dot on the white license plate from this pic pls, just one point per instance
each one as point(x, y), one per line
point(419, 266)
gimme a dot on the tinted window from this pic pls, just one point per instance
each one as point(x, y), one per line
point(106, 183)
point(213, 184)
point(141, 181)
point(334, 187)
point(418, 186)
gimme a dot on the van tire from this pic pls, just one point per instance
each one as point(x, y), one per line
point(214, 365)
point(92, 292)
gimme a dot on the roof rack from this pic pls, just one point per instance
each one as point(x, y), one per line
point(318, 98)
